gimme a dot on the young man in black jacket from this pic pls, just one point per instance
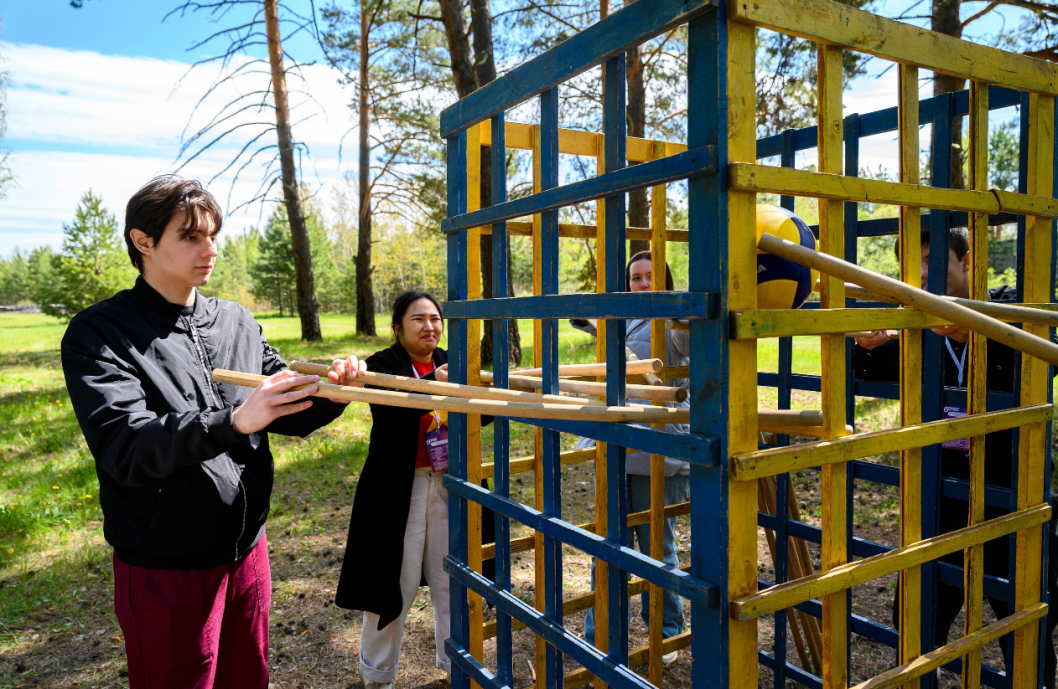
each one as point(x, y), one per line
point(878, 358)
point(184, 467)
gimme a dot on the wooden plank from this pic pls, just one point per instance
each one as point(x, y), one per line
point(526, 543)
point(436, 387)
point(1041, 314)
point(579, 678)
point(1035, 382)
point(613, 36)
point(832, 23)
point(540, 648)
point(1008, 335)
point(838, 579)
point(581, 143)
point(837, 187)
point(834, 546)
point(976, 384)
point(529, 410)
point(1024, 204)
point(658, 342)
point(576, 231)
point(910, 580)
point(750, 466)
point(741, 388)
point(602, 573)
point(473, 421)
point(699, 161)
point(521, 465)
point(968, 646)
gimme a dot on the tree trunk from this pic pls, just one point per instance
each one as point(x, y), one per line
point(365, 298)
point(945, 19)
point(459, 46)
point(308, 307)
point(636, 112)
point(484, 73)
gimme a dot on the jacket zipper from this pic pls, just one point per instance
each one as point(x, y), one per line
point(200, 354)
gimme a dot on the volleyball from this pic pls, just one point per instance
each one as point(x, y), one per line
point(783, 284)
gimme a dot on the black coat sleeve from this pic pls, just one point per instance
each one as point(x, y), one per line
point(881, 363)
point(131, 443)
point(322, 412)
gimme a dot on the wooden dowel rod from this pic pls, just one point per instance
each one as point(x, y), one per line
point(893, 334)
point(649, 376)
point(1013, 313)
point(649, 393)
point(436, 387)
point(678, 325)
point(790, 417)
point(911, 296)
point(640, 366)
point(460, 405)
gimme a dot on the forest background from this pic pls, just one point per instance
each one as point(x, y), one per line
point(371, 231)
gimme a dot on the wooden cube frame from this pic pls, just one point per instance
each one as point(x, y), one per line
point(719, 162)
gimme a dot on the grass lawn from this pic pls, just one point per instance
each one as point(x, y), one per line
point(57, 627)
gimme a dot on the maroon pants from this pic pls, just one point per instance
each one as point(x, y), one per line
point(197, 628)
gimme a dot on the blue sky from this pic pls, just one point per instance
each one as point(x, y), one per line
point(94, 103)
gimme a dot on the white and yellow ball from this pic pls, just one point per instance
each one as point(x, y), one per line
point(783, 284)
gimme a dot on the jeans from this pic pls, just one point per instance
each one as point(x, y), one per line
point(677, 490)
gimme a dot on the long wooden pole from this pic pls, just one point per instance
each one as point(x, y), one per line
point(460, 405)
point(436, 387)
point(650, 393)
point(637, 367)
point(920, 299)
point(1013, 313)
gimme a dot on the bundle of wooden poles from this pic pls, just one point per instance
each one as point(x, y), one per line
point(432, 395)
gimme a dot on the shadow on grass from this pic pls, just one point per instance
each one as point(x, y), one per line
point(47, 358)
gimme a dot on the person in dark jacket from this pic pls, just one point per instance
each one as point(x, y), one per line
point(878, 358)
point(185, 472)
point(398, 532)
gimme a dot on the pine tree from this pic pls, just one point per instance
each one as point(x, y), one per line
point(93, 264)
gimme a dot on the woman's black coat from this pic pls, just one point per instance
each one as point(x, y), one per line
point(374, 551)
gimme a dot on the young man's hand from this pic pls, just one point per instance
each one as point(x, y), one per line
point(879, 338)
point(272, 398)
point(346, 372)
point(955, 332)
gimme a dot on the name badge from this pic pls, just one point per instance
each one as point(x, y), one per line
point(437, 445)
point(963, 444)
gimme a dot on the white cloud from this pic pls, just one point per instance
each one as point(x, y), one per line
point(80, 120)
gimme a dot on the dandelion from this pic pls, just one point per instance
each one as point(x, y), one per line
point(88, 497)
point(10, 551)
point(60, 475)
point(55, 488)
point(79, 504)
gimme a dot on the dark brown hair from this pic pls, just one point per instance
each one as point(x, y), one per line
point(670, 286)
point(156, 203)
point(958, 241)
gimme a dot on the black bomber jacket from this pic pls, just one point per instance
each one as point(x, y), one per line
point(179, 488)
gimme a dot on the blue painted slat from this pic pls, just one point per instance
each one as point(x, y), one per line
point(631, 25)
point(602, 306)
point(955, 397)
point(795, 673)
point(698, 161)
point(882, 121)
point(472, 668)
point(501, 427)
point(707, 223)
point(552, 466)
point(575, 647)
point(630, 560)
point(614, 132)
point(689, 447)
point(457, 428)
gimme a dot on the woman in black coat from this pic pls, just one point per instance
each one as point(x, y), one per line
point(398, 533)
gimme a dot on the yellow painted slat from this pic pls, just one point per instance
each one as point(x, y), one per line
point(851, 574)
point(971, 643)
point(976, 384)
point(837, 187)
point(538, 433)
point(750, 466)
point(1024, 204)
point(760, 323)
point(577, 142)
point(827, 22)
point(742, 355)
point(833, 482)
point(520, 465)
point(1035, 381)
point(602, 572)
